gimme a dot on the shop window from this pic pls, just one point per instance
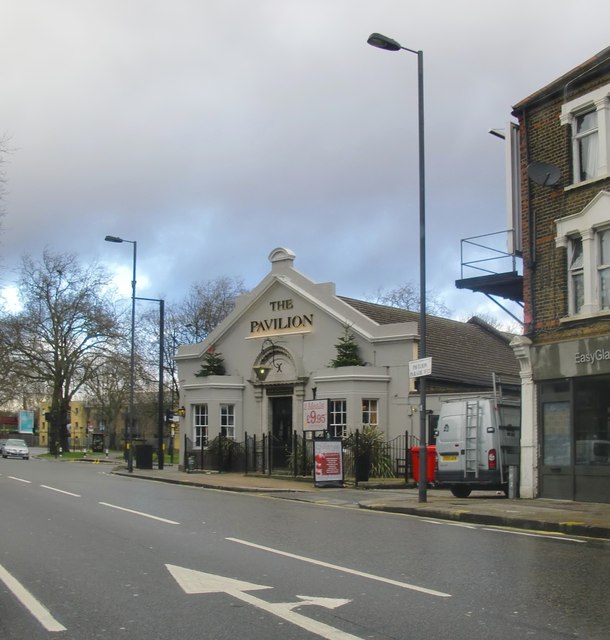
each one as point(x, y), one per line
point(592, 421)
point(227, 420)
point(369, 413)
point(337, 427)
point(200, 425)
point(588, 117)
point(556, 441)
point(576, 421)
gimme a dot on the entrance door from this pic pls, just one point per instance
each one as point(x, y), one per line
point(281, 428)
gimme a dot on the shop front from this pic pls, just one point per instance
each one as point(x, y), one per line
point(573, 384)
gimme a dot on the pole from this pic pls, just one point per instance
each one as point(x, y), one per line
point(132, 365)
point(423, 415)
point(388, 44)
point(160, 452)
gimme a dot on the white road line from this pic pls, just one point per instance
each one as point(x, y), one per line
point(321, 563)
point(138, 513)
point(20, 479)
point(546, 536)
point(446, 523)
point(29, 602)
point(68, 493)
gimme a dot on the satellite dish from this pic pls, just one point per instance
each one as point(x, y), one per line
point(543, 174)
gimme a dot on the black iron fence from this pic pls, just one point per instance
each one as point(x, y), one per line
point(266, 455)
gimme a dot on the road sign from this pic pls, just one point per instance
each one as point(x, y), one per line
point(193, 582)
point(421, 367)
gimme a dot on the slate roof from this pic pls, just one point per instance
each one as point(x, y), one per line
point(466, 352)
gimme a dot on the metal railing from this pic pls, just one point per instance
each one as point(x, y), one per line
point(268, 455)
point(484, 253)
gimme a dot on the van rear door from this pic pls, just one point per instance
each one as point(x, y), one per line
point(450, 441)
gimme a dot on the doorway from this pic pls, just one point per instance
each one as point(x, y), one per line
point(281, 430)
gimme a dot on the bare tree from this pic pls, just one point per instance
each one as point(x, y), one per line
point(107, 392)
point(407, 297)
point(207, 305)
point(64, 332)
point(506, 326)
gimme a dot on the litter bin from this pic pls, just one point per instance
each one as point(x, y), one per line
point(144, 456)
point(430, 463)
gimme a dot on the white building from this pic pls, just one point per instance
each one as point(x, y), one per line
point(289, 325)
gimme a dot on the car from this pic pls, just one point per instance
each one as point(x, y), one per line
point(15, 448)
point(2, 443)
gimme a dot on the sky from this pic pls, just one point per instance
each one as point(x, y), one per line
point(213, 132)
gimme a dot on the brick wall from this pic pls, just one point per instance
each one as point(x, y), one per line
point(544, 139)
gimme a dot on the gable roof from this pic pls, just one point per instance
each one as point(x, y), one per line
point(469, 352)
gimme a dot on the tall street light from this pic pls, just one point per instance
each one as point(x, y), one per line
point(383, 42)
point(132, 362)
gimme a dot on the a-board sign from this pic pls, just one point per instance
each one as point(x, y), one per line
point(315, 415)
point(328, 461)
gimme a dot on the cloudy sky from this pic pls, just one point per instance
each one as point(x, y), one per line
point(213, 132)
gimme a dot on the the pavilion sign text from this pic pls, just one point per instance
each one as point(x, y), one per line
point(286, 321)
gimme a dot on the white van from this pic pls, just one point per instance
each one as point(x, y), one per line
point(477, 440)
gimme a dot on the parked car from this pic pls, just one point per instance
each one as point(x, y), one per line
point(2, 443)
point(15, 448)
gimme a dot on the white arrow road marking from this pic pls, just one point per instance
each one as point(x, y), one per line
point(138, 513)
point(193, 582)
point(354, 572)
point(29, 602)
point(327, 603)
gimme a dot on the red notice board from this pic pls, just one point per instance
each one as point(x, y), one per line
point(328, 461)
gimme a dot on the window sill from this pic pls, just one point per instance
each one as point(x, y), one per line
point(598, 315)
point(586, 183)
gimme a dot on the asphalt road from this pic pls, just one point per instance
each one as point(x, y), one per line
point(85, 555)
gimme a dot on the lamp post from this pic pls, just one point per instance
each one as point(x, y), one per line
point(132, 360)
point(383, 42)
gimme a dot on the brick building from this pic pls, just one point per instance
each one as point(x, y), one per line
point(564, 354)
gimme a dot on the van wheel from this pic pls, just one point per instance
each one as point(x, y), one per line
point(460, 490)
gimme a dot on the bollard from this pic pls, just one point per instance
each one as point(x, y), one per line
point(513, 482)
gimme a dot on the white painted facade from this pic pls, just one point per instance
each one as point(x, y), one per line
point(291, 325)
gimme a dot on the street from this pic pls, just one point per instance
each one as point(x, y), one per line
point(85, 554)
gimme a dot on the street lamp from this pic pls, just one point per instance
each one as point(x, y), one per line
point(132, 361)
point(383, 42)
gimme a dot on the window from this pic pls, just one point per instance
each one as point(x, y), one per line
point(603, 267)
point(586, 160)
point(576, 421)
point(200, 424)
point(227, 420)
point(576, 276)
point(586, 236)
point(369, 413)
point(588, 116)
point(337, 427)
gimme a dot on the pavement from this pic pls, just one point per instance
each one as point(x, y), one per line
point(584, 519)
